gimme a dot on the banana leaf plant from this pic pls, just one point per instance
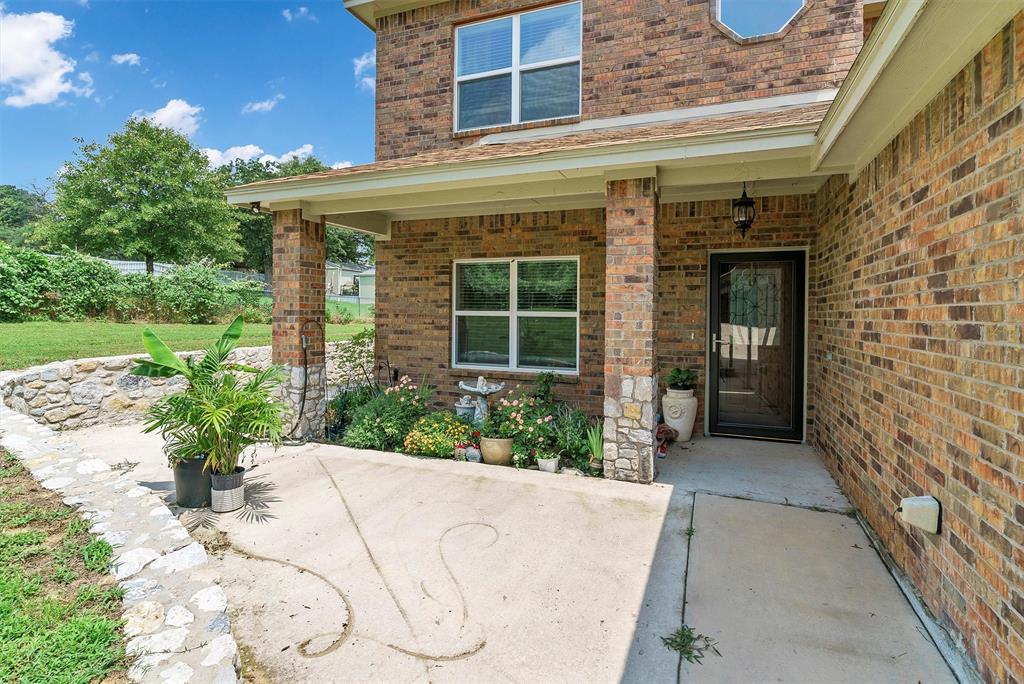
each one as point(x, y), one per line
point(219, 415)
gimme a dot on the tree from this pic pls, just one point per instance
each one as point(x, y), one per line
point(148, 193)
point(19, 210)
point(257, 229)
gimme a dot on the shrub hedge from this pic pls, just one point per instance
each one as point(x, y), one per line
point(74, 286)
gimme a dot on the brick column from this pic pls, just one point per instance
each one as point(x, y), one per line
point(300, 256)
point(630, 380)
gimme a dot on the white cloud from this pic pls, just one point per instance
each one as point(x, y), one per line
point(300, 152)
point(298, 14)
point(129, 58)
point(158, 84)
point(30, 69)
point(92, 57)
point(341, 164)
point(247, 152)
point(262, 105)
point(365, 69)
point(243, 152)
point(177, 115)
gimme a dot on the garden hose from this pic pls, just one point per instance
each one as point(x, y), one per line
point(290, 439)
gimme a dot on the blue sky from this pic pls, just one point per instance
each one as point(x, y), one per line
point(231, 74)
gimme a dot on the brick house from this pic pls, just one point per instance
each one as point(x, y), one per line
point(554, 190)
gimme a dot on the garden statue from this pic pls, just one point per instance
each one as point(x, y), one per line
point(482, 389)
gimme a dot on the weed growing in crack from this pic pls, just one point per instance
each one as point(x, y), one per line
point(692, 646)
point(689, 531)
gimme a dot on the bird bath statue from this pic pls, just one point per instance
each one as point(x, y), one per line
point(481, 390)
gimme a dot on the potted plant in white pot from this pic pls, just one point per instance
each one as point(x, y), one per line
point(679, 406)
point(217, 417)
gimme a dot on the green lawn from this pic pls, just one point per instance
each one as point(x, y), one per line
point(357, 311)
point(59, 607)
point(30, 344)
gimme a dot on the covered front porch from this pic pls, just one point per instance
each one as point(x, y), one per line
point(639, 213)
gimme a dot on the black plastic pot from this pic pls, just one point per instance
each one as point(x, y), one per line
point(192, 483)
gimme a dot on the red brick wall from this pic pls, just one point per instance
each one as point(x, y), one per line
point(414, 292)
point(299, 288)
point(920, 302)
point(638, 56)
point(688, 231)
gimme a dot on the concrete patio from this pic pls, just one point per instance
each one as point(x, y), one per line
point(356, 566)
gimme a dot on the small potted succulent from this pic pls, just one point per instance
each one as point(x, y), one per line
point(547, 461)
point(679, 406)
point(216, 418)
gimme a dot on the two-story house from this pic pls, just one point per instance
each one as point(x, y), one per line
point(825, 221)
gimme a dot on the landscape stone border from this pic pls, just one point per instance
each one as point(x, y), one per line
point(175, 612)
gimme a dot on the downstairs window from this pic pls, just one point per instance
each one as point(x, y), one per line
point(517, 314)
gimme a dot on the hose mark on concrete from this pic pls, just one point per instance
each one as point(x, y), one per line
point(366, 547)
point(347, 626)
point(448, 568)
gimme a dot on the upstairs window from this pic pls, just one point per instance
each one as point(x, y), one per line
point(518, 68)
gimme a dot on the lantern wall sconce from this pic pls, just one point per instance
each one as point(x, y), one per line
point(743, 212)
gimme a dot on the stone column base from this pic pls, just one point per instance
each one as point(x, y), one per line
point(629, 439)
point(311, 423)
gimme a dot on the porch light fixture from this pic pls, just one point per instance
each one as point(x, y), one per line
point(743, 212)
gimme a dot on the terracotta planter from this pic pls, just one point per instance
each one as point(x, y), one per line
point(496, 451)
point(548, 465)
point(679, 408)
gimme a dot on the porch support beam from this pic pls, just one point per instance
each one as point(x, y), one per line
point(630, 329)
point(300, 261)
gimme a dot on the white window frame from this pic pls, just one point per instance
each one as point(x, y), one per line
point(513, 314)
point(516, 70)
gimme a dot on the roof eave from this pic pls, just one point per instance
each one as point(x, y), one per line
point(786, 141)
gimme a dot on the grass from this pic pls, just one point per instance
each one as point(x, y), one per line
point(30, 344)
point(357, 312)
point(59, 607)
point(690, 645)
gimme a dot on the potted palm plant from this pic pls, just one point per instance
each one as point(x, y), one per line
point(215, 419)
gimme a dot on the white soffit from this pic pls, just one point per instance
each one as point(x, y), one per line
point(367, 11)
point(916, 48)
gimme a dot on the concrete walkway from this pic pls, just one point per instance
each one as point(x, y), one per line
point(356, 566)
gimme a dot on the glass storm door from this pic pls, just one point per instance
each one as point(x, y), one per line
point(756, 356)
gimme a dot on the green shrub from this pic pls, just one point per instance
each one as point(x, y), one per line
point(343, 406)
point(260, 312)
point(24, 277)
point(81, 286)
point(436, 434)
point(571, 426)
point(527, 420)
point(383, 422)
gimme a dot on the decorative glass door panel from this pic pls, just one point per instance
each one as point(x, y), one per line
point(755, 364)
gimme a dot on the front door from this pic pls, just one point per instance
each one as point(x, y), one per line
point(756, 357)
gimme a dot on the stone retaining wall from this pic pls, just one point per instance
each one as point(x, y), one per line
point(81, 392)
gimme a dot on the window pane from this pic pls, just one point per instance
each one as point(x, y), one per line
point(547, 342)
point(482, 287)
point(551, 92)
point(546, 286)
point(549, 34)
point(482, 340)
point(485, 47)
point(485, 102)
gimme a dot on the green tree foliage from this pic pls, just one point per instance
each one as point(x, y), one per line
point(19, 210)
point(257, 230)
point(146, 194)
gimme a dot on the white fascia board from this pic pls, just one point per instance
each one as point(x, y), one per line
point(367, 11)
point(787, 142)
point(892, 27)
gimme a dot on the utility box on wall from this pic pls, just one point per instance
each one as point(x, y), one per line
point(924, 512)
